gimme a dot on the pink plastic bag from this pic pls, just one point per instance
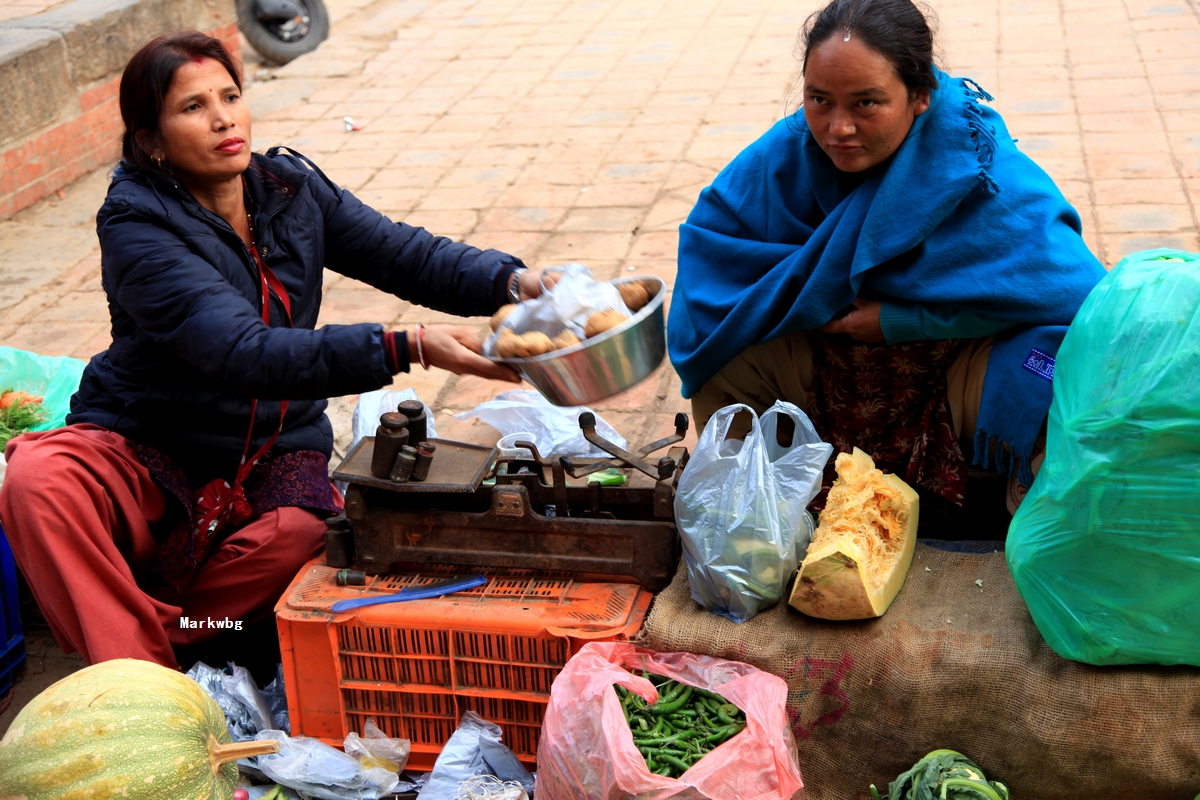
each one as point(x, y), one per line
point(587, 751)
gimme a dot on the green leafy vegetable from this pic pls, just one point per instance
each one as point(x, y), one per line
point(943, 775)
point(19, 412)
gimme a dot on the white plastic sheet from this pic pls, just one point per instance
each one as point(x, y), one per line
point(555, 428)
point(314, 768)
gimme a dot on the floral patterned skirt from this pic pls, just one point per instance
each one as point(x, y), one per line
point(299, 479)
point(890, 402)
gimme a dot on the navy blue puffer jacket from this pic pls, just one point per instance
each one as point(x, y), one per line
point(190, 350)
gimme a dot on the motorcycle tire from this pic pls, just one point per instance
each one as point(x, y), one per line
point(275, 42)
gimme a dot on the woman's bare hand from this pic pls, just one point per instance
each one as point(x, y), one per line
point(529, 285)
point(862, 323)
point(458, 349)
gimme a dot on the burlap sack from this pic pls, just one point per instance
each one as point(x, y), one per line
point(957, 665)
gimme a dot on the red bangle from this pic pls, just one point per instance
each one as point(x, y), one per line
point(420, 346)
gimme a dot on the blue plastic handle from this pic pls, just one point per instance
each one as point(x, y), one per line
point(421, 593)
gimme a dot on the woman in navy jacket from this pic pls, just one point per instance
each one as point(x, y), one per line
point(191, 482)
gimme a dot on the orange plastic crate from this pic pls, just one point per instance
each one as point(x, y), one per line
point(417, 666)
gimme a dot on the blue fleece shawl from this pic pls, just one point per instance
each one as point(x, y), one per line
point(781, 241)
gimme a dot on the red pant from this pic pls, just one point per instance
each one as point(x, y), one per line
point(78, 505)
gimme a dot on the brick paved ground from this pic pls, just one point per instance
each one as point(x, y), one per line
point(583, 131)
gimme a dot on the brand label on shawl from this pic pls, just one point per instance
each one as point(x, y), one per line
point(1040, 364)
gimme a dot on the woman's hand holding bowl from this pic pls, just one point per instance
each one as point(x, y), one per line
point(457, 349)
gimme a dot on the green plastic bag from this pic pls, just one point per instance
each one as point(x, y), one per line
point(55, 378)
point(1105, 549)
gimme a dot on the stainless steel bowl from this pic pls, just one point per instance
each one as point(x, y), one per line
point(603, 365)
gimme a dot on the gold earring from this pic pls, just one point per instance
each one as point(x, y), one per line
point(159, 162)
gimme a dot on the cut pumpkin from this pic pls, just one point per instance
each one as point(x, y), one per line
point(861, 551)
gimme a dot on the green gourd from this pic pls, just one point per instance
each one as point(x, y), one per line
point(123, 728)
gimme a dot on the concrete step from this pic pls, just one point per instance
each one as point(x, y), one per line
point(62, 68)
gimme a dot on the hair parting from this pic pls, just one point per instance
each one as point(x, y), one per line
point(897, 29)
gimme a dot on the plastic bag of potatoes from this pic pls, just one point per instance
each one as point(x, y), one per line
point(577, 308)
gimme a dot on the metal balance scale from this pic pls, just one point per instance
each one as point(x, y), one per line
point(470, 512)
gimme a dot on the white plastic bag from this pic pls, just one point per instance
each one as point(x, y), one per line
point(238, 719)
point(740, 508)
point(365, 419)
point(555, 429)
point(318, 770)
point(473, 749)
point(376, 749)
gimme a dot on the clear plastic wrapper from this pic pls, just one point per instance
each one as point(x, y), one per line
point(564, 307)
point(740, 508)
point(586, 751)
point(375, 749)
point(489, 787)
point(241, 685)
point(242, 719)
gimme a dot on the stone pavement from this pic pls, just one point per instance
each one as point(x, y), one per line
point(14, 9)
point(583, 131)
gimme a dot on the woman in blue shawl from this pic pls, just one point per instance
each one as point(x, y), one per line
point(887, 259)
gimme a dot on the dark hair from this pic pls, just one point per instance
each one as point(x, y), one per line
point(897, 29)
point(147, 79)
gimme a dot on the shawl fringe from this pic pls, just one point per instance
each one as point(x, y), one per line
point(982, 134)
point(993, 454)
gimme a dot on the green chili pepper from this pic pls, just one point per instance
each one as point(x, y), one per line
point(725, 715)
point(678, 736)
point(724, 734)
point(678, 763)
point(670, 751)
point(685, 724)
point(673, 690)
point(672, 704)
